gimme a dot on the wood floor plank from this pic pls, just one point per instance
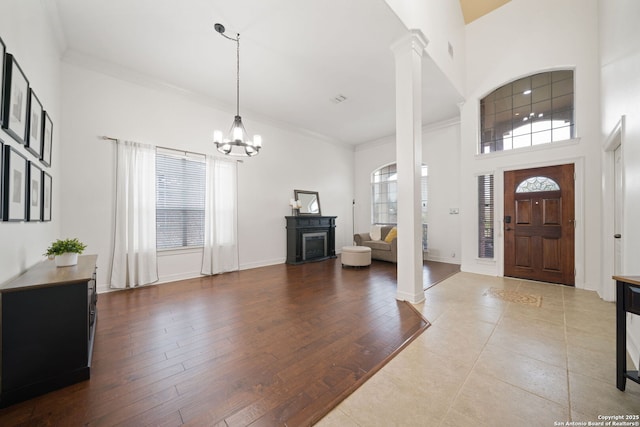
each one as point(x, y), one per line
point(278, 345)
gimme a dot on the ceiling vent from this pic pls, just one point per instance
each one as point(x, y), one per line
point(338, 99)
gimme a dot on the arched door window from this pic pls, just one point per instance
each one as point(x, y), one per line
point(536, 184)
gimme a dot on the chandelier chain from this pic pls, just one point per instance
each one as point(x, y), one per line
point(238, 75)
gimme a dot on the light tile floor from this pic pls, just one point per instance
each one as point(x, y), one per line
point(488, 362)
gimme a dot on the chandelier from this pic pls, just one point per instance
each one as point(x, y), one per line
point(237, 142)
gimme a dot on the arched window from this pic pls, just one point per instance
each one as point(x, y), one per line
point(384, 197)
point(536, 184)
point(384, 200)
point(533, 110)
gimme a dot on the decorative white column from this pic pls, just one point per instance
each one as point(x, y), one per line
point(408, 59)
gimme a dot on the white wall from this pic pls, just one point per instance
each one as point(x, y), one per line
point(620, 89)
point(518, 39)
point(441, 153)
point(369, 157)
point(28, 35)
point(97, 104)
point(442, 23)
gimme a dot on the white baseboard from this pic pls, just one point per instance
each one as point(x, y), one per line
point(102, 288)
point(266, 263)
point(447, 260)
point(178, 276)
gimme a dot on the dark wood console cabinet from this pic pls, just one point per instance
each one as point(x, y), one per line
point(48, 324)
point(308, 230)
point(627, 301)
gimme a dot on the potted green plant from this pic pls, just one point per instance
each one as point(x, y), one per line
point(66, 251)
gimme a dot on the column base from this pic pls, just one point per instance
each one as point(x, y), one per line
point(412, 298)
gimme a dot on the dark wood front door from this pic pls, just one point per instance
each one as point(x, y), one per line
point(539, 224)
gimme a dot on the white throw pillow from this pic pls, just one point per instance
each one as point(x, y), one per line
point(376, 232)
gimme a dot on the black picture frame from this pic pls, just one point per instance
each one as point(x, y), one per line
point(35, 141)
point(47, 184)
point(35, 193)
point(15, 185)
point(15, 100)
point(47, 139)
point(3, 51)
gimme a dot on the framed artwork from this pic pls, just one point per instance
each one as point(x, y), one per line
point(34, 135)
point(15, 101)
point(46, 197)
point(3, 50)
point(34, 201)
point(15, 185)
point(47, 139)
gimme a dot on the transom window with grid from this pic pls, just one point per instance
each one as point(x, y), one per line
point(533, 110)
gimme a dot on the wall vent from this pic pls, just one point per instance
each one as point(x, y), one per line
point(338, 99)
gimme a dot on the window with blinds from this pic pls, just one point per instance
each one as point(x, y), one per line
point(424, 183)
point(485, 216)
point(180, 191)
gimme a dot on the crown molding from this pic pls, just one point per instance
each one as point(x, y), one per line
point(430, 127)
point(129, 75)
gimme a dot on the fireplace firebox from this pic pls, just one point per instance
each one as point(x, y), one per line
point(314, 245)
point(310, 238)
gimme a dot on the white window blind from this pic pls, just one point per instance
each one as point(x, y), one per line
point(425, 199)
point(180, 192)
point(485, 216)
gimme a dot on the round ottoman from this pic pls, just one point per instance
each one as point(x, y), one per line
point(356, 256)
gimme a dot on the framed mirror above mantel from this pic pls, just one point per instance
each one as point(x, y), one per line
point(309, 202)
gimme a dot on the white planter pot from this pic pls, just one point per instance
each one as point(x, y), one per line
point(66, 259)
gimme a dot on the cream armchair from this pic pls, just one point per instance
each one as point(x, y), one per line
point(380, 249)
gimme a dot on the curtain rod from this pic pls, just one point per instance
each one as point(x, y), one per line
point(110, 138)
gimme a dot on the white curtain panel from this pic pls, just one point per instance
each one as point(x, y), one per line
point(134, 255)
point(220, 252)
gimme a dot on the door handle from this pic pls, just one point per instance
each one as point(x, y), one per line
point(507, 221)
point(617, 236)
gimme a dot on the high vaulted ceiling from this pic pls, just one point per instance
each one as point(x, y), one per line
point(474, 9)
point(296, 57)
